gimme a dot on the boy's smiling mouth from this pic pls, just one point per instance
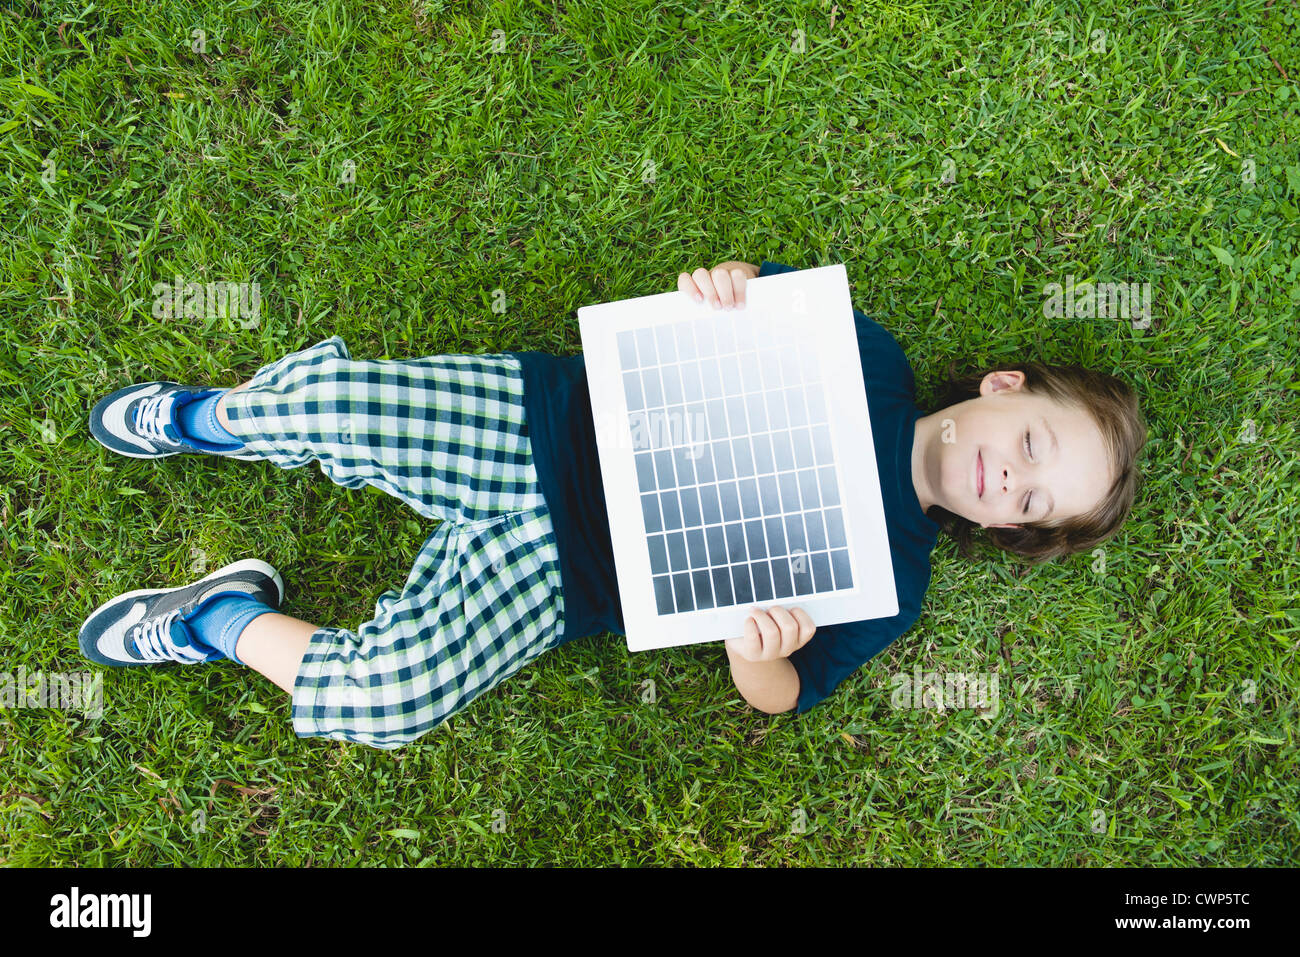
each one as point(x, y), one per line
point(979, 475)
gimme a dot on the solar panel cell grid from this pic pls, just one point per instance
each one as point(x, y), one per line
point(733, 462)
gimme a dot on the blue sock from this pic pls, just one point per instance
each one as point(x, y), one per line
point(218, 622)
point(198, 420)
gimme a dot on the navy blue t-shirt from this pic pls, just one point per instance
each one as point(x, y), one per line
point(557, 409)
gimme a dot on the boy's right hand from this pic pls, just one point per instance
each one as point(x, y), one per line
point(775, 632)
point(723, 286)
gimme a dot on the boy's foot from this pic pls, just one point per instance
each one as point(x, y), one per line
point(150, 625)
point(142, 421)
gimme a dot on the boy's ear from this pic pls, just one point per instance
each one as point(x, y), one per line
point(1002, 381)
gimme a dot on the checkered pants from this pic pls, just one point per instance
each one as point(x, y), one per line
point(445, 434)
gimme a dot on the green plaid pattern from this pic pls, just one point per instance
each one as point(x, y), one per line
point(445, 434)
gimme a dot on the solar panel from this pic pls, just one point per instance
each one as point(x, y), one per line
point(737, 459)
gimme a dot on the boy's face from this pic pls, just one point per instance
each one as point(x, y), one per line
point(1059, 469)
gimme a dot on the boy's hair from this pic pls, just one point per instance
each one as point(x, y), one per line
point(1113, 405)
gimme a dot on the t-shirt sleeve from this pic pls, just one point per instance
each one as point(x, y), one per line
point(768, 268)
point(837, 651)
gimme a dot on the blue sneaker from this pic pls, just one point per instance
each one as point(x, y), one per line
point(140, 421)
point(148, 626)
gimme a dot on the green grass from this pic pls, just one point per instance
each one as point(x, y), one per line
point(596, 156)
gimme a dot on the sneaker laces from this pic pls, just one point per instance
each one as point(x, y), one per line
point(151, 419)
point(153, 640)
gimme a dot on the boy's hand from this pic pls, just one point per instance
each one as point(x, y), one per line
point(774, 633)
point(723, 286)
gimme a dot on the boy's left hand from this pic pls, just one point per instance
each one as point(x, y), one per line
point(773, 633)
point(723, 286)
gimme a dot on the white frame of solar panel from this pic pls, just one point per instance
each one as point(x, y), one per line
point(807, 312)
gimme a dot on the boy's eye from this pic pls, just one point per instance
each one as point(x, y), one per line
point(1030, 451)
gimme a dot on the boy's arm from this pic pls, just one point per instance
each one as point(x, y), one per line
point(760, 665)
point(770, 686)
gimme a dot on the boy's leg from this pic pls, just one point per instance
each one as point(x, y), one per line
point(274, 645)
point(482, 600)
point(443, 433)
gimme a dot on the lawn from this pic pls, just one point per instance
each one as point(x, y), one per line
point(427, 178)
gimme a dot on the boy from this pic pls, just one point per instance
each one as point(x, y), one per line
point(501, 448)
